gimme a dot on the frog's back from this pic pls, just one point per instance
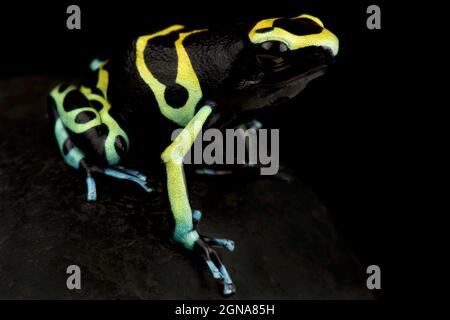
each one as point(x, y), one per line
point(168, 73)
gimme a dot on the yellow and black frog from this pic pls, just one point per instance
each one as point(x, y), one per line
point(179, 78)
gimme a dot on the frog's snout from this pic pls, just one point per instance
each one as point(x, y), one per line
point(331, 43)
point(326, 42)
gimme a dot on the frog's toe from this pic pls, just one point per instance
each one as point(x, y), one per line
point(220, 242)
point(229, 289)
point(131, 172)
point(215, 265)
point(214, 270)
point(91, 189)
point(126, 176)
point(196, 216)
point(146, 187)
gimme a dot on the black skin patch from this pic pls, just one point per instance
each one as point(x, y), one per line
point(97, 91)
point(176, 95)
point(67, 146)
point(299, 27)
point(84, 117)
point(74, 100)
point(161, 58)
point(97, 105)
point(63, 87)
point(101, 131)
point(121, 146)
point(92, 142)
point(264, 30)
point(212, 53)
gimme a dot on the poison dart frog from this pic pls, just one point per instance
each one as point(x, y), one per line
point(180, 77)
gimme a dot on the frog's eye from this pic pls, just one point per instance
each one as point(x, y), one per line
point(272, 55)
point(274, 47)
point(283, 47)
point(267, 45)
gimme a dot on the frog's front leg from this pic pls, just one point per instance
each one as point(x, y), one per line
point(186, 220)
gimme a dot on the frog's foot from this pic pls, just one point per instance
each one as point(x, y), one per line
point(203, 247)
point(116, 172)
point(91, 188)
point(127, 174)
point(134, 173)
point(215, 242)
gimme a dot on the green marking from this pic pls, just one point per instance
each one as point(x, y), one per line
point(176, 188)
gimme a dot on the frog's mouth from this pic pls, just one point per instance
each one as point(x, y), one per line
point(291, 77)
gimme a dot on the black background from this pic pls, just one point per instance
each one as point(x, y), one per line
point(340, 135)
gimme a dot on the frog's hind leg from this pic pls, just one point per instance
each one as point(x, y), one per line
point(76, 158)
point(90, 182)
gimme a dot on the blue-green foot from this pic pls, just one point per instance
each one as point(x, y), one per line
point(135, 173)
point(91, 189)
point(138, 178)
point(220, 242)
point(203, 246)
point(116, 172)
point(215, 265)
point(214, 242)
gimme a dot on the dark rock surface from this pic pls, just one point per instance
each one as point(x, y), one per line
point(286, 243)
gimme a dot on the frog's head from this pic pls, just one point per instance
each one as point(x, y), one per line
point(282, 56)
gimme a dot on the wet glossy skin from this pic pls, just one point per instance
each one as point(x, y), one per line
point(177, 77)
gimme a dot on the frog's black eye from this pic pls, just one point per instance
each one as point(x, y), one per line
point(272, 55)
point(274, 47)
